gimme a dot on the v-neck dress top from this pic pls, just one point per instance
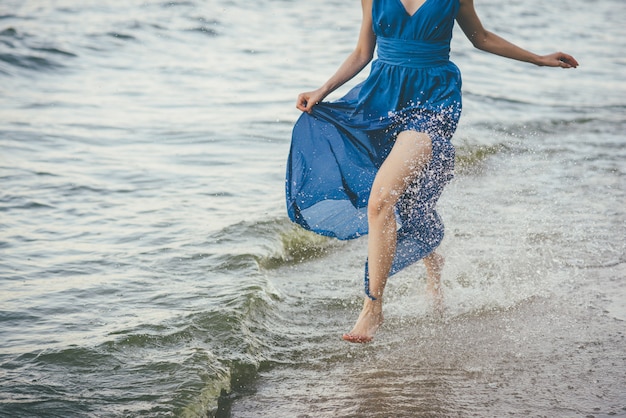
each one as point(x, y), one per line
point(337, 149)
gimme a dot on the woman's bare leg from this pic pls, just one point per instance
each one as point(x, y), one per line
point(408, 157)
point(434, 265)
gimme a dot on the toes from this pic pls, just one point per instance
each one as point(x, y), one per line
point(359, 339)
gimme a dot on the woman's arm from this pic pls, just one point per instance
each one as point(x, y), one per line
point(487, 41)
point(356, 61)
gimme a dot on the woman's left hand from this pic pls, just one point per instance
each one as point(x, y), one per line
point(558, 59)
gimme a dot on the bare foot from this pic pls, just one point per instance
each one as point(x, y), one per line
point(367, 324)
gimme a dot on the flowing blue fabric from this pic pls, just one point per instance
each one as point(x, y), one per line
point(337, 149)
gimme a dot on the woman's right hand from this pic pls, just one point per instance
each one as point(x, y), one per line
point(307, 100)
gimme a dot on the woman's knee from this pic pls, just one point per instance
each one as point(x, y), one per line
point(381, 202)
point(407, 159)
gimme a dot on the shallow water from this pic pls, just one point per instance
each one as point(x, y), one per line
point(147, 264)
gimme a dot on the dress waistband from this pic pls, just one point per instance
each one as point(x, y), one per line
point(413, 54)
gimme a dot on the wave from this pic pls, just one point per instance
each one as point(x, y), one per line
point(483, 140)
point(603, 119)
point(189, 365)
point(40, 48)
point(55, 51)
point(122, 36)
point(29, 53)
point(492, 98)
point(297, 245)
point(262, 245)
point(470, 159)
point(31, 62)
point(9, 32)
point(610, 110)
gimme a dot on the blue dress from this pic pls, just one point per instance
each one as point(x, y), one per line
point(337, 149)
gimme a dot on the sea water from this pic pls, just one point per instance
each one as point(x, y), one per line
point(147, 267)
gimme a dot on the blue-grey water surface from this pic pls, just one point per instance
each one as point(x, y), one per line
point(147, 267)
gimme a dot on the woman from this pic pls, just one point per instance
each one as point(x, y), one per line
point(375, 161)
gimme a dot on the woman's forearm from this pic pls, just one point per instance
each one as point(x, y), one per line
point(355, 62)
point(490, 42)
point(494, 44)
